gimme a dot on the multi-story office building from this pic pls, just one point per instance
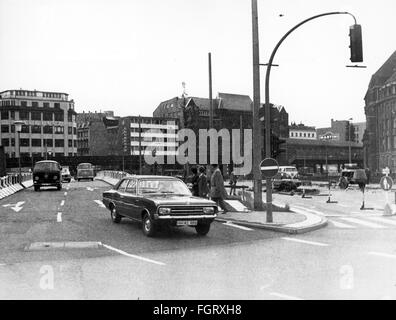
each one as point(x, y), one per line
point(49, 123)
point(380, 110)
point(145, 132)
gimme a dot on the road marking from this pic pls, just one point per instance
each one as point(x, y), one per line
point(66, 193)
point(89, 189)
point(230, 224)
point(59, 217)
point(363, 223)
point(343, 205)
point(62, 203)
point(100, 203)
point(132, 255)
point(305, 241)
point(16, 207)
point(284, 296)
point(310, 210)
point(2, 264)
point(382, 254)
point(383, 220)
point(342, 225)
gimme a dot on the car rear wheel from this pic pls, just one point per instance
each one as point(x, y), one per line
point(148, 226)
point(203, 229)
point(36, 188)
point(115, 217)
point(59, 187)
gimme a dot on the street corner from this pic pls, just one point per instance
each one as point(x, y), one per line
point(291, 222)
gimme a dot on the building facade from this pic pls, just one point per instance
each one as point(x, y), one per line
point(380, 110)
point(49, 123)
point(300, 131)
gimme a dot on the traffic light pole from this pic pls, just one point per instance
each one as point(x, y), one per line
point(267, 104)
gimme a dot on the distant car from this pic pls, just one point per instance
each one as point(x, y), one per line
point(85, 171)
point(66, 176)
point(288, 172)
point(159, 201)
point(47, 174)
point(352, 176)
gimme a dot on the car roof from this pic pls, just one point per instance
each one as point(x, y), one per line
point(151, 177)
point(43, 161)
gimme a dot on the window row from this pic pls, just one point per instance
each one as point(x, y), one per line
point(37, 115)
point(5, 128)
point(34, 104)
point(6, 142)
point(300, 134)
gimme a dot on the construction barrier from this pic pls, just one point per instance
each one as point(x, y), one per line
point(11, 184)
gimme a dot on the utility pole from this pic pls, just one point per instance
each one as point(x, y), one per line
point(140, 145)
point(257, 188)
point(349, 134)
point(210, 92)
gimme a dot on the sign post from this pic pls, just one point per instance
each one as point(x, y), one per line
point(269, 168)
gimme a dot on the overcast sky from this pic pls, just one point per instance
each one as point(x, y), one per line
point(129, 55)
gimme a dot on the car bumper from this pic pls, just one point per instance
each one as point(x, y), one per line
point(190, 217)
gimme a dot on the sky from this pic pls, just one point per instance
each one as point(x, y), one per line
point(129, 55)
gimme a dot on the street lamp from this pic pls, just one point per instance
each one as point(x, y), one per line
point(349, 135)
point(18, 128)
point(326, 138)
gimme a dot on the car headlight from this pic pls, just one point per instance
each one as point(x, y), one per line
point(208, 210)
point(164, 210)
point(36, 177)
point(55, 177)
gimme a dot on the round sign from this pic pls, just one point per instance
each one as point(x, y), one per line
point(386, 183)
point(269, 167)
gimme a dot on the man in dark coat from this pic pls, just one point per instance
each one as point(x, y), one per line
point(203, 189)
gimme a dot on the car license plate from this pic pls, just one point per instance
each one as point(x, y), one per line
point(187, 223)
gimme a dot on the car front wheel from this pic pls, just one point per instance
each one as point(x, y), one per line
point(202, 229)
point(115, 217)
point(148, 226)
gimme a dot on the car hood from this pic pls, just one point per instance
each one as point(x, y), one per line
point(179, 200)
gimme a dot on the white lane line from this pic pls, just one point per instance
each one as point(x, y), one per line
point(59, 217)
point(284, 296)
point(383, 220)
point(62, 203)
point(363, 223)
point(342, 225)
point(309, 210)
point(306, 242)
point(132, 255)
point(382, 254)
point(65, 193)
point(230, 224)
point(343, 205)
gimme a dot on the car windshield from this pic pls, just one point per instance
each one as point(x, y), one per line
point(46, 166)
point(291, 170)
point(65, 170)
point(84, 166)
point(165, 186)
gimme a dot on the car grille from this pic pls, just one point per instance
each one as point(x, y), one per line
point(187, 210)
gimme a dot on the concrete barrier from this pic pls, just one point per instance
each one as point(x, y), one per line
point(11, 184)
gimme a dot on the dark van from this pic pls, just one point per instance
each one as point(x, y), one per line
point(47, 174)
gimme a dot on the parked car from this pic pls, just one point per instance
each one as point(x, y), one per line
point(288, 172)
point(159, 201)
point(352, 176)
point(66, 176)
point(47, 173)
point(85, 171)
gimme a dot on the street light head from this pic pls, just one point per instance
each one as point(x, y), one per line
point(18, 125)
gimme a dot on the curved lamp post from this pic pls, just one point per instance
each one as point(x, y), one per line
point(267, 103)
point(18, 128)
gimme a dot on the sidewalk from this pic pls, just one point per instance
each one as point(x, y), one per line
point(287, 222)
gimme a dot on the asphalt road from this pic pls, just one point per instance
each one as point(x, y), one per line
point(353, 258)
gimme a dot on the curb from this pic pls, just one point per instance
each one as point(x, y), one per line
point(278, 227)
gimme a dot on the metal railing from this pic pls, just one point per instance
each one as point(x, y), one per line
point(12, 179)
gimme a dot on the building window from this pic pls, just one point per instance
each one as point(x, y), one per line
point(36, 142)
point(47, 129)
point(23, 103)
point(36, 129)
point(12, 142)
point(75, 143)
point(25, 143)
point(36, 115)
point(12, 114)
point(5, 142)
point(74, 130)
point(24, 115)
point(35, 104)
point(4, 115)
point(5, 128)
point(57, 105)
point(70, 143)
point(70, 130)
point(70, 117)
point(47, 116)
point(25, 129)
point(59, 130)
point(48, 142)
point(46, 104)
point(59, 143)
point(59, 116)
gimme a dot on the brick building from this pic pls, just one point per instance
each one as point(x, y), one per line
point(380, 109)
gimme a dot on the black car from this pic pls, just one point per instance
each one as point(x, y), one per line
point(47, 174)
point(159, 201)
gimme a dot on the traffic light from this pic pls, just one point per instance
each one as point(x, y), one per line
point(355, 37)
point(276, 146)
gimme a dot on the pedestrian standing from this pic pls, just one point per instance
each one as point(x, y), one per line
point(203, 189)
point(217, 190)
point(194, 182)
point(233, 183)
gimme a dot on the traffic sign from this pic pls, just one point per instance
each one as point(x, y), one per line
point(269, 167)
point(386, 183)
point(386, 171)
